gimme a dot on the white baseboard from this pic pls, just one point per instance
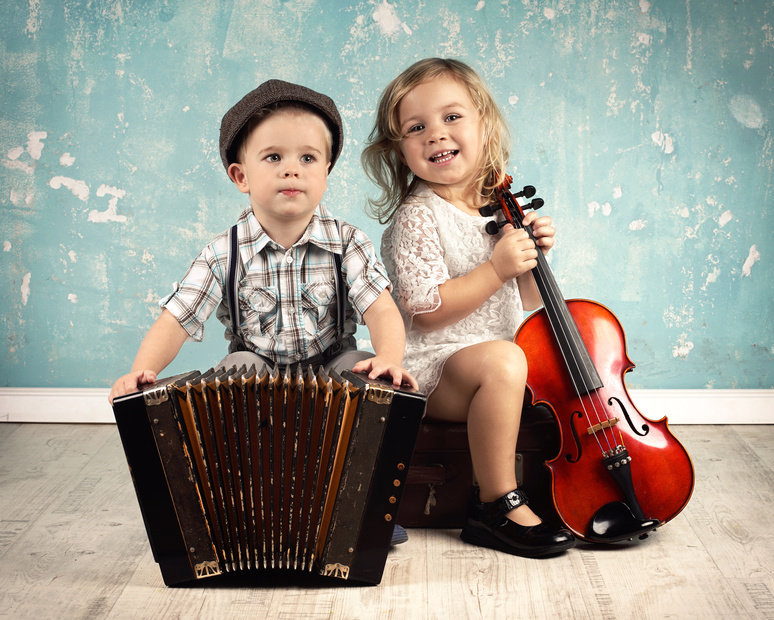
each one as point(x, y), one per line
point(70, 405)
point(90, 405)
point(706, 406)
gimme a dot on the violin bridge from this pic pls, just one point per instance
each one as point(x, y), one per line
point(602, 425)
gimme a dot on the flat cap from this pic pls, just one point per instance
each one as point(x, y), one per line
point(270, 93)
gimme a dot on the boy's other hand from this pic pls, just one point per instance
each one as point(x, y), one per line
point(131, 382)
point(378, 367)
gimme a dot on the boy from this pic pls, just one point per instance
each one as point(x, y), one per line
point(278, 145)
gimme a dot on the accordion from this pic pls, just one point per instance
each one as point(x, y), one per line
point(238, 470)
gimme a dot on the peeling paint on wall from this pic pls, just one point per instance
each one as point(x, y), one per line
point(110, 214)
point(25, 288)
point(752, 257)
point(386, 17)
point(595, 207)
point(79, 189)
point(664, 141)
point(683, 348)
point(747, 111)
point(35, 143)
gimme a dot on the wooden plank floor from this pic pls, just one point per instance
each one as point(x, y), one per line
point(73, 545)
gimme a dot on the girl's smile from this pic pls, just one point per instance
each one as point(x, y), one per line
point(443, 157)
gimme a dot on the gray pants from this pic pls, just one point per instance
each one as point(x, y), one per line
point(343, 361)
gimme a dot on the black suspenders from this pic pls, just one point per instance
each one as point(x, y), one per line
point(232, 293)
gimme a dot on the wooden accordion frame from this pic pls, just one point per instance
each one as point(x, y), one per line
point(237, 471)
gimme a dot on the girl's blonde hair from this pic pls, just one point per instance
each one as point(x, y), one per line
point(382, 156)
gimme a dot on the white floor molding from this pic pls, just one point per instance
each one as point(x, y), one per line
point(71, 405)
point(78, 405)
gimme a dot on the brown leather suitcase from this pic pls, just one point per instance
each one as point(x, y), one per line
point(440, 480)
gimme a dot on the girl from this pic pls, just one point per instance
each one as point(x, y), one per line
point(438, 150)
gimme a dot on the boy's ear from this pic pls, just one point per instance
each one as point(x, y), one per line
point(328, 169)
point(239, 178)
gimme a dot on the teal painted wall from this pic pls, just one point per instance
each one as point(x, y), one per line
point(645, 125)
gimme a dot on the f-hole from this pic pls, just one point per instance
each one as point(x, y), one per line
point(579, 449)
point(645, 427)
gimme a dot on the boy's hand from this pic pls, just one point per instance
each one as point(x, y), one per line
point(131, 382)
point(378, 367)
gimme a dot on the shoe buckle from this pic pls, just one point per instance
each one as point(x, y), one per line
point(514, 499)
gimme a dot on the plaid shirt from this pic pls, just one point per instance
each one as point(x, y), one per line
point(287, 298)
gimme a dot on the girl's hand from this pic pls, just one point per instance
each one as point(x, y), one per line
point(514, 254)
point(542, 229)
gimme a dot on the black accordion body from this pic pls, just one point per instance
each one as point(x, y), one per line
point(238, 471)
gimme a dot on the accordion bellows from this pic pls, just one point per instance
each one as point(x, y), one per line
point(237, 471)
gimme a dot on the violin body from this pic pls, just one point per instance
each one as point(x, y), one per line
point(661, 470)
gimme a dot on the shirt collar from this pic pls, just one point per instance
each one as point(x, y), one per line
point(322, 231)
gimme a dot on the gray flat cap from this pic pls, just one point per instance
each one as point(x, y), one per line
point(270, 93)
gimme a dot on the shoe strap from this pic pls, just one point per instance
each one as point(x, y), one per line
point(512, 500)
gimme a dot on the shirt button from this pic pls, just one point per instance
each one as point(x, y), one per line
point(288, 259)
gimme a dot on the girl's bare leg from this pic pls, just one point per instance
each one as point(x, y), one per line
point(483, 385)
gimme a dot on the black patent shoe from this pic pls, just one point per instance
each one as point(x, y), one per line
point(487, 526)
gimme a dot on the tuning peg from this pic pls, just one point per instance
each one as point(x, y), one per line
point(493, 227)
point(486, 210)
point(535, 204)
point(528, 191)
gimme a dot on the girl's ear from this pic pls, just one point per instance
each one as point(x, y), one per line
point(239, 178)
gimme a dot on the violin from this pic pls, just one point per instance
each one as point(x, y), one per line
point(617, 475)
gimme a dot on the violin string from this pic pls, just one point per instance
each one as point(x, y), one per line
point(558, 303)
point(592, 393)
point(587, 392)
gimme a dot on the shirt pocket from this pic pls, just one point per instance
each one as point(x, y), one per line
point(259, 307)
point(318, 300)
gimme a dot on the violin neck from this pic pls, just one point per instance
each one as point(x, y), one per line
point(574, 352)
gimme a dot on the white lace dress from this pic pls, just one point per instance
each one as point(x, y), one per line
point(428, 242)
